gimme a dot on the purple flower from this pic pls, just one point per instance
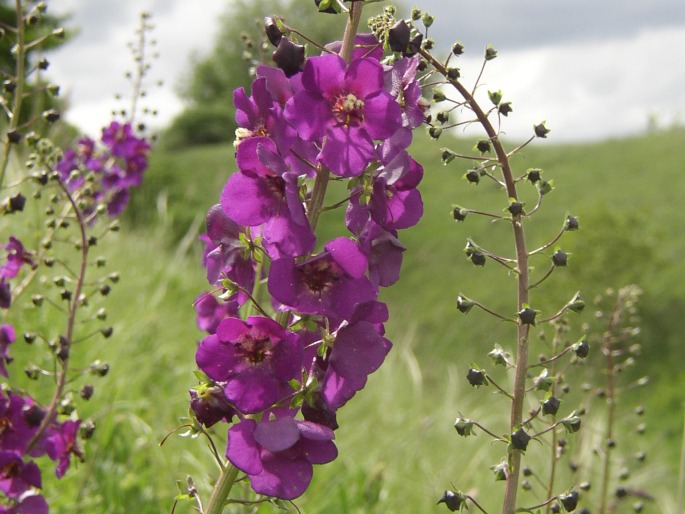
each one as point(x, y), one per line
point(344, 109)
point(17, 476)
point(17, 256)
point(210, 405)
point(278, 454)
point(330, 284)
point(358, 350)
point(210, 312)
point(5, 294)
point(384, 252)
point(266, 193)
point(256, 359)
point(7, 337)
point(26, 504)
point(401, 82)
point(226, 253)
point(15, 429)
point(61, 443)
point(365, 45)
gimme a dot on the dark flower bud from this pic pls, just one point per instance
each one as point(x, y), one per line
point(473, 176)
point(105, 290)
point(43, 64)
point(289, 57)
point(316, 409)
point(51, 116)
point(551, 405)
point(555, 508)
point(438, 95)
point(87, 429)
point(515, 208)
point(14, 136)
point(569, 501)
point(210, 405)
point(611, 443)
point(533, 175)
point(571, 224)
point(428, 44)
point(9, 86)
point(92, 241)
point(560, 258)
point(37, 300)
point(453, 501)
point(476, 377)
point(447, 155)
point(520, 440)
point(464, 304)
point(505, 108)
point(490, 53)
point(526, 485)
point(423, 66)
point(540, 130)
point(459, 214)
point(416, 14)
point(621, 492)
point(107, 332)
point(427, 20)
point(477, 258)
point(458, 48)
point(443, 117)
point(87, 392)
point(29, 337)
point(113, 277)
point(414, 46)
point(272, 30)
point(464, 427)
point(16, 203)
point(33, 415)
point(453, 73)
point(582, 348)
point(527, 471)
point(527, 316)
point(572, 423)
point(99, 368)
point(435, 132)
point(65, 294)
point(398, 36)
point(544, 187)
point(483, 146)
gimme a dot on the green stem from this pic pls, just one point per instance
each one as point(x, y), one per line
point(221, 490)
point(19, 90)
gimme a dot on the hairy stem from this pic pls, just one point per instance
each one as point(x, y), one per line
point(519, 392)
point(221, 490)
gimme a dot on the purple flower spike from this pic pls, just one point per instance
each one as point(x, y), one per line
point(346, 108)
point(330, 284)
point(62, 443)
point(278, 454)
point(256, 359)
point(7, 337)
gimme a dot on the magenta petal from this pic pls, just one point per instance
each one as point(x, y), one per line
point(246, 201)
point(325, 73)
point(318, 452)
point(337, 389)
point(242, 449)
point(364, 77)
point(347, 254)
point(244, 114)
point(277, 435)
point(309, 114)
point(283, 478)
point(314, 431)
point(358, 350)
point(382, 115)
point(276, 83)
point(253, 391)
point(214, 358)
point(347, 151)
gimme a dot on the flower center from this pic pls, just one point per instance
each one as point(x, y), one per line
point(255, 350)
point(348, 109)
point(320, 275)
point(276, 186)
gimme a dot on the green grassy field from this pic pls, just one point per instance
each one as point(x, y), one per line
point(398, 450)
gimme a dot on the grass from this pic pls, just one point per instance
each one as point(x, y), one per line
point(398, 450)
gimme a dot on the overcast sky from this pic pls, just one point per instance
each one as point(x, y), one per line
point(591, 68)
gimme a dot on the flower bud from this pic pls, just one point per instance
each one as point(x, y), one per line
point(458, 48)
point(572, 423)
point(464, 427)
point(328, 6)
point(43, 64)
point(551, 406)
point(272, 30)
point(499, 356)
point(398, 36)
point(540, 130)
point(477, 258)
point(500, 471)
point(577, 304)
point(33, 415)
point(434, 132)
point(527, 316)
point(86, 429)
point(289, 57)
point(87, 392)
point(533, 175)
point(416, 14)
point(476, 377)
point(453, 73)
point(495, 96)
point(427, 20)
point(582, 348)
point(571, 224)
point(107, 332)
point(483, 146)
point(51, 116)
point(520, 440)
point(473, 176)
point(505, 108)
point(569, 501)
point(453, 501)
point(490, 53)
point(438, 95)
point(14, 136)
point(515, 208)
point(559, 258)
point(464, 305)
point(459, 214)
point(414, 46)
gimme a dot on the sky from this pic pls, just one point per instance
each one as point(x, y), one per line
point(592, 69)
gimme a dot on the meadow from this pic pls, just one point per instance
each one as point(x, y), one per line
point(398, 449)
